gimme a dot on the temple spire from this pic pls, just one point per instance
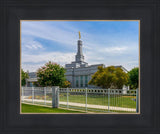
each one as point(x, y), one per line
point(79, 56)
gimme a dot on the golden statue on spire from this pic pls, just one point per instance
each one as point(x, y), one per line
point(79, 35)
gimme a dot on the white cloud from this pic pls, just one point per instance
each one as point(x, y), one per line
point(31, 44)
point(117, 49)
point(123, 55)
point(31, 67)
point(33, 62)
point(47, 56)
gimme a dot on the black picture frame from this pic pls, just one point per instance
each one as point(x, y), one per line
point(12, 11)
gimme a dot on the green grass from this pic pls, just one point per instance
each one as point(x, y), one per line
point(40, 109)
point(26, 108)
point(101, 99)
point(115, 100)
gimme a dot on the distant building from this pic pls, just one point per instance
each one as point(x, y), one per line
point(32, 79)
point(78, 72)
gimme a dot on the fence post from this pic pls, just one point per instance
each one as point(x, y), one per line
point(86, 99)
point(55, 96)
point(32, 95)
point(137, 100)
point(67, 98)
point(44, 95)
point(108, 98)
point(22, 95)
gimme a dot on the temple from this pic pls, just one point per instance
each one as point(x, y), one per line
point(78, 72)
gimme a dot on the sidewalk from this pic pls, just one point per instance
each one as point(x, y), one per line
point(88, 105)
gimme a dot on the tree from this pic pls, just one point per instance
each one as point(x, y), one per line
point(36, 84)
point(133, 78)
point(109, 77)
point(24, 76)
point(66, 84)
point(51, 74)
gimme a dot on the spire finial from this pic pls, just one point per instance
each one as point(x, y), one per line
point(79, 35)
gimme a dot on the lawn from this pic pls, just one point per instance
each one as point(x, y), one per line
point(125, 101)
point(40, 109)
point(114, 100)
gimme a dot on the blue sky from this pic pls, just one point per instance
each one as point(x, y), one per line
point(104, 42)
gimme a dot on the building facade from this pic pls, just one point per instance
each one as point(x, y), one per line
point(32, 79)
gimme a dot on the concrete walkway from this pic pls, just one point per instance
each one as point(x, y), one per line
point(88, 105)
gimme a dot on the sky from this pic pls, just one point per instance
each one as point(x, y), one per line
point(104, 42)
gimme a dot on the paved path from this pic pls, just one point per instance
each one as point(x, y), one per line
point(88, 105)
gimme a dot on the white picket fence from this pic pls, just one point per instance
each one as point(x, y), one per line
point(88, 100)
